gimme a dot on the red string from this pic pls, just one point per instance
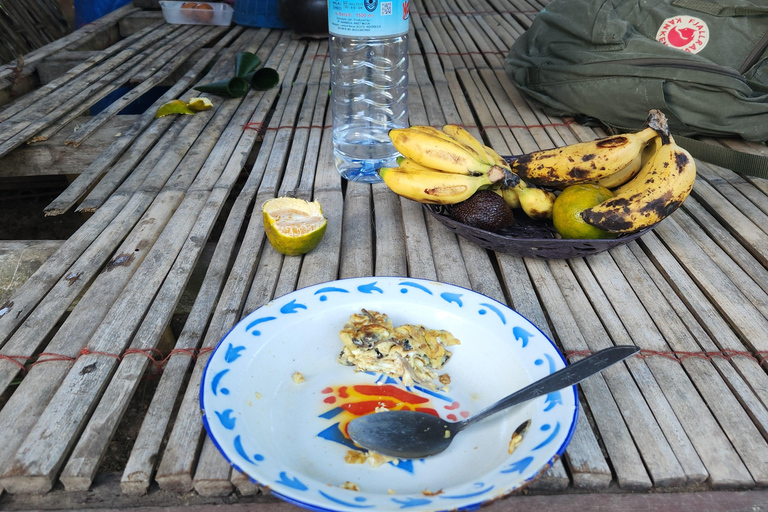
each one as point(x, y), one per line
point(13, 359)
point(148, 353)
point(52, 357)
point(253, 126)
point(481, 13)
point(87, 352)
point(153, 354)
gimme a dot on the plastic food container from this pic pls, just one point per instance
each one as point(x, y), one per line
point(218, 14)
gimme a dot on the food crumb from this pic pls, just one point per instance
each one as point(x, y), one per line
point(258, 396)
point(391, 491)
point(372, 458)
point(298, 378)
point(354, 457)
point(517, 436)
point(427, 492)
point(377, 459)
point(350, 486)
point(514, 442)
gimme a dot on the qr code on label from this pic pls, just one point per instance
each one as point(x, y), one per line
point(386, 8)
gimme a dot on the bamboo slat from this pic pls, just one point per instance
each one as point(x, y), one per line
point(177, 465)
point(166, 204)
point(60, 101)
point(77, 37)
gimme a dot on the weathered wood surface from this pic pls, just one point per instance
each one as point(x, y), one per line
point(690, 412)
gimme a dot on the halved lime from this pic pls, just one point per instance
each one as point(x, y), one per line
point(294, 226)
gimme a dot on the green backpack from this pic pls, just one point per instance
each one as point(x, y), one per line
point(702, 63)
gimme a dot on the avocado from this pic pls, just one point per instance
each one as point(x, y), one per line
point(484, 210)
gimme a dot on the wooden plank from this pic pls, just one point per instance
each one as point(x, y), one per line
point(76, 37)
point(113, 334)
point(52, 157)
point(19, 260)
point(135, 137)
point(614, 434)
point(659, 455)
point(78, 104)
point(63, 100)
point(725, 467)
point(180, 455)
point(737, 424)
point(212, 474)
point(180, 52)
point(588, 466)
point(121, 206)
point(743, 228)
point(41, 92)
point(745, 319)
point(192, 229)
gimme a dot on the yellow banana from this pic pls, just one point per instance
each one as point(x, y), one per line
point(659, 189)
point(435, 187)
point(459, 133)
point(438, 153)
point(431, 130)
point(509, 195)
point(408, 164)
point(497, 158)
point(537, 203)
point(630, 171)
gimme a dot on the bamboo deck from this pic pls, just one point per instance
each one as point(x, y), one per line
point(77, 338)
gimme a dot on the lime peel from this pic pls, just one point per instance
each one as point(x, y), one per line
point(199, 104)
point(293, 226)
point(174, 107)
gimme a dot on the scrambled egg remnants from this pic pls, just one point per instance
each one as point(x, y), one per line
point(410, 352)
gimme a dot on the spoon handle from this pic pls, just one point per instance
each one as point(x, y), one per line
point(563, 378)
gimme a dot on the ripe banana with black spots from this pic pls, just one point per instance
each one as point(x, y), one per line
point(436, 187)
point(586, 162)
point(659, 189)
point(443, 154)
point(630, 171)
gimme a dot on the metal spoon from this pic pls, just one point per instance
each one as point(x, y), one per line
point(414, 435)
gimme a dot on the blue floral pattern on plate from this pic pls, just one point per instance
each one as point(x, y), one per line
point(268, 425)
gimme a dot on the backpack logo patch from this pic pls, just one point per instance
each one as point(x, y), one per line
point(684, 33)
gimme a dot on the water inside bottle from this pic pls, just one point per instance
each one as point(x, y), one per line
point(360, 154)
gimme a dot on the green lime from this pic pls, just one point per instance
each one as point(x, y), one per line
point(566, 213)
point(293, 226)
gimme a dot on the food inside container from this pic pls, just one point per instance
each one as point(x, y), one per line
point(197, 13)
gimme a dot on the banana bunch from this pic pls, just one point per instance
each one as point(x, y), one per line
point(658, 189)
point(610, 161)
point(442, 166)
point(448, 166)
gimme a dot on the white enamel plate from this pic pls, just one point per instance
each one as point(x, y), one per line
point(276, 401)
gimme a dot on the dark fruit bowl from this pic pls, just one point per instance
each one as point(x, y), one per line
point(529, 238)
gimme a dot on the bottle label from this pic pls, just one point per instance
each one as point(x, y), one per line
point(368, 18)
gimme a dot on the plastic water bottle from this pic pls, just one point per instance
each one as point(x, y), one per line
point(369, 83)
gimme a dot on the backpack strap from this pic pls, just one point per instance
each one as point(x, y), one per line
point(714, 9)
point(737, 161)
